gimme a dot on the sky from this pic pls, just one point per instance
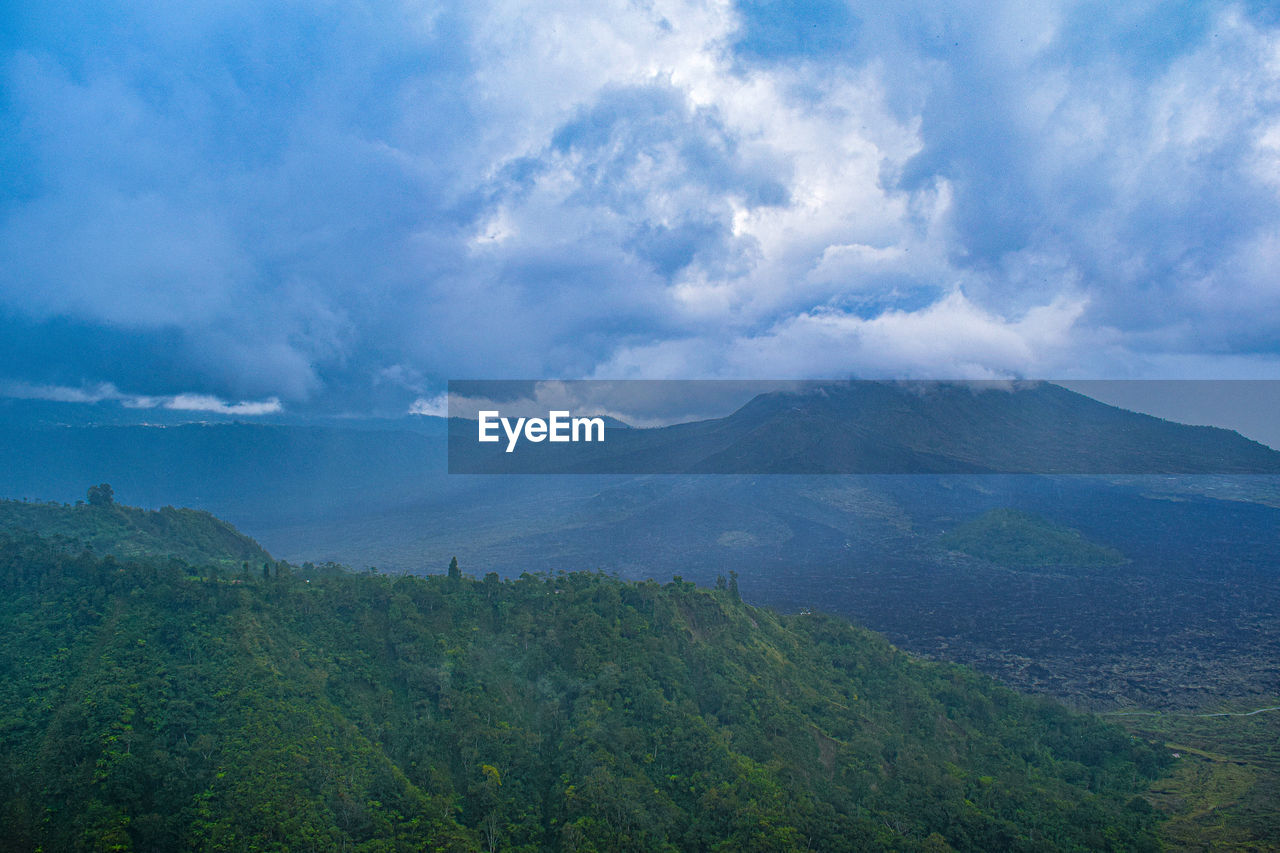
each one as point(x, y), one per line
point(337, 207)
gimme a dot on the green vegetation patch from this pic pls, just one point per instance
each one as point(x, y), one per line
point(127, 532)
point(1224, 789)
point(1010, 537)
point(309, 708)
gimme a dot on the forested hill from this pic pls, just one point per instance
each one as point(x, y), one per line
point(149, 706)
point(106, 527)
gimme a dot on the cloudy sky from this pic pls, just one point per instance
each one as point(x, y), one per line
point(337, 206)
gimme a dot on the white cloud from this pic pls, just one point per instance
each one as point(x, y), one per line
point(436, 407)
point(59, 394)
point(207, 403)
point(951, 339)
point(638, 404)
point(106, 392)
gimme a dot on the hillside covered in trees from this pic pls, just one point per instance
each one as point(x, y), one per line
point(153, 704)
point(106, 527)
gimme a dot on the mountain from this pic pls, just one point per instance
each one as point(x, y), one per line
point(151, 706)
point(865, 427)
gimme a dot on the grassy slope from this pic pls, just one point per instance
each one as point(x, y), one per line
point(1224, 790)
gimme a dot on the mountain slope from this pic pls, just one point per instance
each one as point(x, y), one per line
point(975, 427)
point(151, 709)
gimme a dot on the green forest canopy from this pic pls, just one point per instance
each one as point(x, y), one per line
point(106, 527)
point(150, 704)
point(1011, 537)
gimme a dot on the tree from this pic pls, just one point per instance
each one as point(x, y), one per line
point(492, 823)
point(101, 495)
point(733, 586)
point(455, 574)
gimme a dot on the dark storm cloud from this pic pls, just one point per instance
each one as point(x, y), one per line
point(232, 178)
point(342, 205)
